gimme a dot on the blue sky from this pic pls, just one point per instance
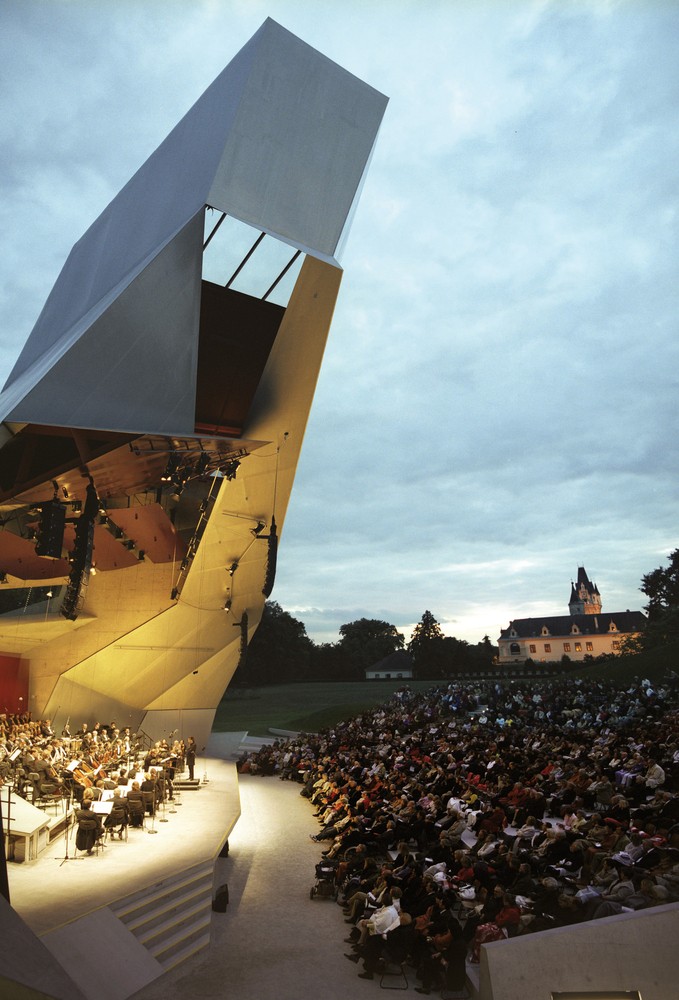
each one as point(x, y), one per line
point(498, 401)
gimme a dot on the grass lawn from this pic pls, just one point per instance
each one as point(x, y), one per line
point(301, 707)
point(310, 707)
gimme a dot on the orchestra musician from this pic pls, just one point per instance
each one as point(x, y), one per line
point(135, 804)
point(46, 728)
point(190, 754)
point(90, 829)
point(119, 815)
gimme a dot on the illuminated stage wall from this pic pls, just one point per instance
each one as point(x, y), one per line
point(153, 422)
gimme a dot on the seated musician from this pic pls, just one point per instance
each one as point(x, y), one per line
point(135, 804)
point(149, 786)
point(48, 780)
point(119, 815)
point(89, 828)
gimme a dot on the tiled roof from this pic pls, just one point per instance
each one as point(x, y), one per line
point(561, 625)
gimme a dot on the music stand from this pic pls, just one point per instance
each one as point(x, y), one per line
point(163, 818)
point(67, 831)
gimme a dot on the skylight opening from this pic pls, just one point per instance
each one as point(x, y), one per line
point(248, 262)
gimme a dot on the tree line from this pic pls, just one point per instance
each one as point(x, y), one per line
point(281, 651)
point(661, 586)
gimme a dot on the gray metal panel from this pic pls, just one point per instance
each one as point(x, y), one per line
point(155, 204)
point(300, 144)
point(280, 140)
point(133, 369)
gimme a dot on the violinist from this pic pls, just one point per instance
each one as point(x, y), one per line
point(48, 781)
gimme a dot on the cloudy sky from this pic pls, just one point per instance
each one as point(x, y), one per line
point(498, 402)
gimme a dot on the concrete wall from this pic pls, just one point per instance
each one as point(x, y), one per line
point(635, 951)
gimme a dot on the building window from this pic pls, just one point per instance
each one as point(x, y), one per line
point(514, 649)
point(533, 648)
point(548, 647)
point(578, 647)
point(566, 647)
point(615, 644)
point(589, 646)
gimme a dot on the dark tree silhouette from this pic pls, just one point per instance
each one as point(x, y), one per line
point(367, 641)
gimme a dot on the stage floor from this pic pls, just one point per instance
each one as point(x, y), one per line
point(50, 892)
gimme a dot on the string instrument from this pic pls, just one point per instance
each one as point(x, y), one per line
point(82, 777)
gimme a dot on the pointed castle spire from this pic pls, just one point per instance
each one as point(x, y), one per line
point(585, 598)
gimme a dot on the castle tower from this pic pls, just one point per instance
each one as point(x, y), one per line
point(585, 596)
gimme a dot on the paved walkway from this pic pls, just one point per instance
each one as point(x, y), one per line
point(273, 941)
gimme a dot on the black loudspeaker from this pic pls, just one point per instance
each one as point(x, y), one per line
point(50, 538)
point(221, 900)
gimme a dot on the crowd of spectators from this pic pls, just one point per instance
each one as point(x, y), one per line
point(474, 812)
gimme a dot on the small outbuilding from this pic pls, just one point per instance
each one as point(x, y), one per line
point(395, 667)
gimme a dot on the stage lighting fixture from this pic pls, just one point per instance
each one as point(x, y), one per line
point(230, 469)
point(170, 468)
point(232, 568)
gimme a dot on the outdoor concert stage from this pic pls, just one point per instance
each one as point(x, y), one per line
point(118, 919)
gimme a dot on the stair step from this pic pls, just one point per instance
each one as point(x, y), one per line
point(143, 923)
point(188, 951)
point(166, 950)
point(156, 937)
point(149, 897)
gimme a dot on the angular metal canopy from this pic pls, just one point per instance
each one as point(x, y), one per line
point(280, 141)
point(160, 412)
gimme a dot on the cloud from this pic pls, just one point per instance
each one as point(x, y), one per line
point(497, 403)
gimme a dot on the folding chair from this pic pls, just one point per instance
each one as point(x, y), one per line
point(393, 970)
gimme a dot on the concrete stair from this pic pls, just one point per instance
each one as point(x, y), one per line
point(172, 918)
